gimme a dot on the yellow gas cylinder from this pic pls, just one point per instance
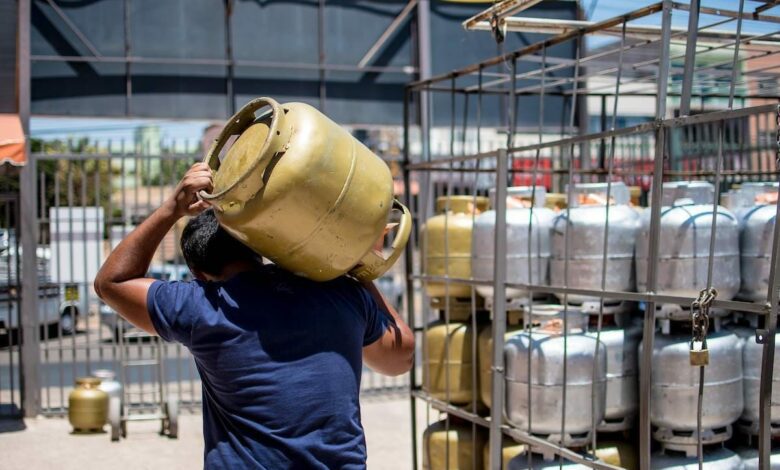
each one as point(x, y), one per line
point(485, 353)
point(448, 363)
point(453, 448)
point(87, 405)
point(509, 450)
point(636, 195)
point(446, 243)
point(301, 191)
point(555, 201)
point(618, 453)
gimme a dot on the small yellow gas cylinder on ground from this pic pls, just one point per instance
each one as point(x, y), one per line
point(446, 244)
point(448, 363)
point(453, 447)
point(87, 405)
point(303, 192)
point(509, 450)
point(485, 353)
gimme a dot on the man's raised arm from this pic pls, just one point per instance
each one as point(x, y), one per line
point(121, 281)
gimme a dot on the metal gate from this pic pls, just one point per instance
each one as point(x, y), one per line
point(10, 370)
point(88, 200)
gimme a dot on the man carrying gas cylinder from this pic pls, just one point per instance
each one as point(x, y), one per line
point(280, 356)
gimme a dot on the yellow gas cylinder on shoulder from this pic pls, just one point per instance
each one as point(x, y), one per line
point(87, 405)
point(453, 447)
point(509, 450)
point(485, 353)
point(448, 363)
point(303, 192)
point(446, 243)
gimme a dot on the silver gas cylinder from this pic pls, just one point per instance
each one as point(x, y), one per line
point(674, 388)
point(538, 461)
point(586, 220)
point(755, 205)
point(684, 245)
point(716, 459)
point(545, 342)
point(621, 344)
point(750, 459)
point(108, 383)
point(527, 241)
point(752, 353)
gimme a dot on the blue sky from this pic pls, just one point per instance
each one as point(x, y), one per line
point(117, 130)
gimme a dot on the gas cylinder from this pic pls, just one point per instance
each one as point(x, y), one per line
point(539, 462)
point(755, 205)
point(453, 447)
point(674, 386)
point(108, 383)
point(87, 405)
point(528, 225)
point(750, 459)
point(448, 363)
point(485, 353)
point(446, 243)
point(546, 376)
point(618, 453)
point(586, 220)
point(686, 224)
point(752, 353)
point(301, 191)
point(716, 459)
point(509, 450)
point(621, 348)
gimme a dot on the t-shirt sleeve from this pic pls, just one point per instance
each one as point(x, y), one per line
point(171, 310)
point(377, 319)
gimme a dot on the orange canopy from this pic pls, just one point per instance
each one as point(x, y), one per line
point(11, 140)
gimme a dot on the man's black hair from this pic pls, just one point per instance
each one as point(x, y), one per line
point(208, 248)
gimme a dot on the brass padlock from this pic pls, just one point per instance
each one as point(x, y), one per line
point(701, 356)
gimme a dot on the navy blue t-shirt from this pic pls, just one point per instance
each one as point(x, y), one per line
point(280, 359)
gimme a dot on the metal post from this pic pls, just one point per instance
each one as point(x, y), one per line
point(499, 311)
point(321, 48)
point(409, 271)
point(645, 375)
point(425, 72)
point(767, 338)
point(28, 227)
point(229, 90)
point(690, 58)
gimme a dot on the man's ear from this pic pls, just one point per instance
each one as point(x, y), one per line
point(200, 275)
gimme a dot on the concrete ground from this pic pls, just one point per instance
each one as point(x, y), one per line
point(43, 443)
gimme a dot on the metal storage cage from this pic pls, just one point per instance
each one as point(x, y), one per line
point(539, 323)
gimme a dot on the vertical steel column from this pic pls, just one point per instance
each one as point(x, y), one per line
point(499, 311)
point(425, 201)
point(321, 50)
point(767, 337)
point(648, 334)
point(28, 227)
point(690, 58)
point(229, 90)
point(127, 50)
point(409, 271)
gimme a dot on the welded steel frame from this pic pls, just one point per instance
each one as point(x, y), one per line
point(418, 95)
point(321, 66)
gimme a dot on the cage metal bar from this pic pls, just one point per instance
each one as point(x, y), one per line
point(499, 311)
point(767, 335)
